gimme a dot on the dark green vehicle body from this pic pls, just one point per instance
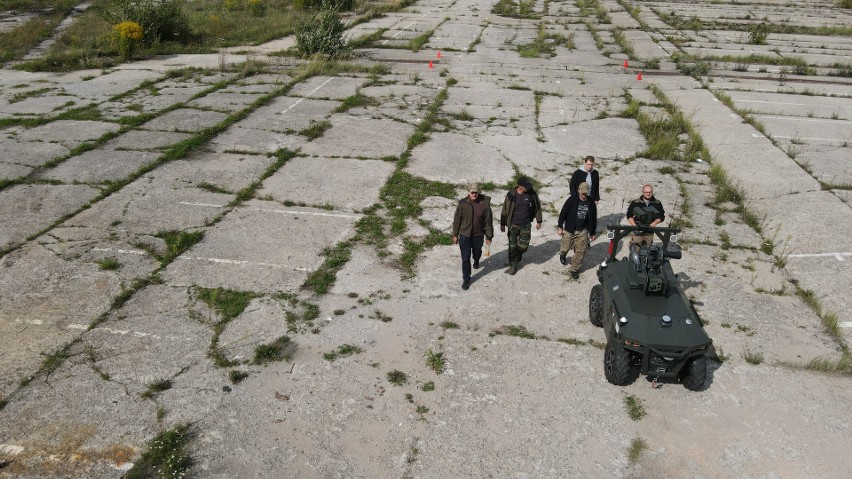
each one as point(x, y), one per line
point(650, 325)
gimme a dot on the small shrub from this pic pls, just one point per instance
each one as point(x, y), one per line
point(435, 361)
point(161, 20)
point(126, 34)
point(757, 33)
point(322, 33)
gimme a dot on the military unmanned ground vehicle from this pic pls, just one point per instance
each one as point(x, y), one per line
point(650, 325)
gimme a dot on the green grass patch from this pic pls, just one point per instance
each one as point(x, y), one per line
point(841, 365)
point(177, 242)
point(519, 331)
point(633, 406)
point(228, 304)
point(236, 376)
point(752, 357)
point(636, 449)
point(356, 101)
point(280, 349)
point(428, 387)
point(316, 129)
point(109, 264)
point(397, 378)
point(166, 456)
point(449, 325)
point(342, 351)
point(321, 280)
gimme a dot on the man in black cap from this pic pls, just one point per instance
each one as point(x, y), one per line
point(519, 208)
point(472, 224)
point(577, 226)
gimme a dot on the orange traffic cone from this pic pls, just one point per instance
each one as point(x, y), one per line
point(625, 63)
point(430, 64)
point(439, 54)
point(639, 76)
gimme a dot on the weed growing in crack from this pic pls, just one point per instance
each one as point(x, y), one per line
point(156, 388)
point(177, 242)
point(166, 456)
point(518, 331)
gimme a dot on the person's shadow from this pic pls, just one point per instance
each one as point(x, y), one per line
point(540, 254)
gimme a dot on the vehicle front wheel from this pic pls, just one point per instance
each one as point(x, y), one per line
point(696, 374)
point(596, 305)
point(618, 365)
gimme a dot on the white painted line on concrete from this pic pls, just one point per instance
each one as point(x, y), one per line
point(306, 96)
point(36, 322)
point(776, 102)
point(232, 261)
point(839, 256)
point(11, 449)
point(405, 28)
point(798, 118)
point(846, 324)
point(137, 334)
point(309, 213)
point(210, 205)
point(121, 251)
point(809, 138)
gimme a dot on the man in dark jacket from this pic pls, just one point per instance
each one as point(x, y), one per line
point(645, 211)
point(472, 224)
point(519, 208)
point(589, 175)
point(578, 222)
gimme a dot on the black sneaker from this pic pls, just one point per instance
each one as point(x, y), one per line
point(575, 274)
point(466, 285)
point(476, 264)
point(563, 259)
point(513, 269)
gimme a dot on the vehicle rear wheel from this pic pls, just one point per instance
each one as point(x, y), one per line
point(696, 374)
point(596, 305)
point(618, 365)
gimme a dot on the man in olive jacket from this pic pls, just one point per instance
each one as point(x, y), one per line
point(519, 208)
point(472, 224)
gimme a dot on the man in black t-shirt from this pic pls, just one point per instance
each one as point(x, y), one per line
point(519, 208)
point(578, 222)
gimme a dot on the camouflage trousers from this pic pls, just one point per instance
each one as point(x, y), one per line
point(519, 241)
point(579, 240)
